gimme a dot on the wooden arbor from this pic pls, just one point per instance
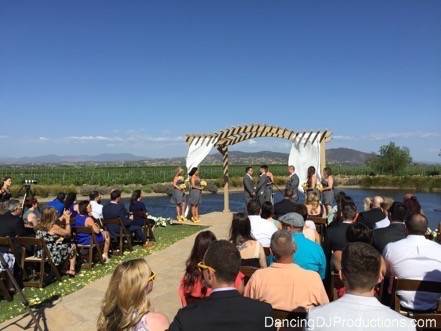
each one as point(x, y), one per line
point(231, 136)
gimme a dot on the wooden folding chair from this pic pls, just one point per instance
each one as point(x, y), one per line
point(32, 244)
point(320, 224)
point(248, 272)
point(124, 236)
point(6, 243)
point(148, 230)
point(89, 247)
point(432, 321)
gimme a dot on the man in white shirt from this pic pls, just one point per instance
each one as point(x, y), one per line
point(95, 204)
point(261, 229)
point(415, 257)
point(358, 309)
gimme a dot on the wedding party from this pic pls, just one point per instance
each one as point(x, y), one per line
point(192, 166)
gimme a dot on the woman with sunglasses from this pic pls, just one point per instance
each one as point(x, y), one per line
point(126, 305)
point(193, 286)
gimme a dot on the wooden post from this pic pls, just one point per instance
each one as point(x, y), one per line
point(322, 155)
point(224, 152)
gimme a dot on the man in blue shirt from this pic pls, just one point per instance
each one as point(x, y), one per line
point(308, 254)
point(58, 203)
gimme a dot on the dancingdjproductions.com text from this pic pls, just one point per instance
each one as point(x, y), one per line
point(340, 322)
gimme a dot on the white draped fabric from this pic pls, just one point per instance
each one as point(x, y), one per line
point(303, 156)
point(198, 151)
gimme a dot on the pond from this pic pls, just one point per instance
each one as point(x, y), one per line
point(161, 206)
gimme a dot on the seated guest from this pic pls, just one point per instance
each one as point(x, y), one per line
point(309, 230)
point(58, 203)
point(30, 226)
point(115, 209)
point(95, 204)
point(412, 204)
point(357, 232)
point(70, 203)
point(367, 203)
point(138, 209)
point(313, 205)
point(225, 308)
point(251, 251)
point(56, 233)
point(395, 231)
point(284, 285)
point(336, 233)
point(341, 200)
point(30, 205)
point(360, 273)
point(385, 222)
point(261, 229)
point(415, 257)
point(126, 305)
point(11, 224)
point(193, 286)
point(84, 220)
point(373, 215)
point(267, 213)
point(285, 206)
point(308, 255)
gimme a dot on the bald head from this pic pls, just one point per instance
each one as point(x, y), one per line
point(282, 245)
point(417, 225)
point(377, 201)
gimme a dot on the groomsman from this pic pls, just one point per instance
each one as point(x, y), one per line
point(293, 182)
point(248, 185)
point(264, 187)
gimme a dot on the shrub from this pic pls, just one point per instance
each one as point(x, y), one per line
point(163, 188)
point(211, 187)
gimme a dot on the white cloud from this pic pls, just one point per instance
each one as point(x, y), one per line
point(130, 138)
point(252, 142)
point(404, 135)
point(43, 138)
point(92, 138)
point(342, 137)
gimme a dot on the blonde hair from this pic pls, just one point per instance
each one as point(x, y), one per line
point(179, 171)
point(387, 203)
point(367, 203)
point(312, 199)
point(126, 301)
point(48, 219)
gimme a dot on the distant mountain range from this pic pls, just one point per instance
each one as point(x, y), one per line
point(333, 155)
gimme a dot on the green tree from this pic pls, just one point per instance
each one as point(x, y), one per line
point(392, 159)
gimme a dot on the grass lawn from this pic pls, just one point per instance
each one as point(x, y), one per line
point(164, 236)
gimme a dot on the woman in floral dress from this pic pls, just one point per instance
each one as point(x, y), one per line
point(56, 232)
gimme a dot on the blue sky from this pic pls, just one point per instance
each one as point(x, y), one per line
point(88, 77)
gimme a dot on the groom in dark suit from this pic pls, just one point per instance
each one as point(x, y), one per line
point(293, 182)
point(264, 186)
point(225, 308)
point(248, 185)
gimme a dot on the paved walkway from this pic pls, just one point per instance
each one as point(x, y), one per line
point(79, 311)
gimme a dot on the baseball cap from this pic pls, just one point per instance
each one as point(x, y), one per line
point(293, 219)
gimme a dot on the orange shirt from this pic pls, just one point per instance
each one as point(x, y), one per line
point(287, 287)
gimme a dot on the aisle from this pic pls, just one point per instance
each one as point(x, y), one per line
point(78, 311)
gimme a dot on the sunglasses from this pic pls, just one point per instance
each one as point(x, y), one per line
point(152, 277)
point(203, 266)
